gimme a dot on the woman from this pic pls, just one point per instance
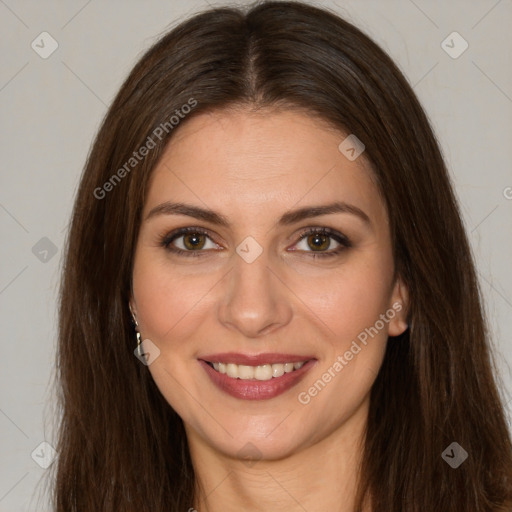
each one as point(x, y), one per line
point(269, 300)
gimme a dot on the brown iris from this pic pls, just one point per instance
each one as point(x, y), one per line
point(197, 241)
point(319, 241)
point(316, 241)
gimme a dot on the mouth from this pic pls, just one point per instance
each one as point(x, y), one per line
point(256, 377)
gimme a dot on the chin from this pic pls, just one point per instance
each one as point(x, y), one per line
point(272, 437)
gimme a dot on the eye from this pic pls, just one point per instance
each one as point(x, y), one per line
point(192, 243)
point(320, 239)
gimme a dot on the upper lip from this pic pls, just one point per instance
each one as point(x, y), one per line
point(255, 359)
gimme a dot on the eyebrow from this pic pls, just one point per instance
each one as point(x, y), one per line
point(288, 218)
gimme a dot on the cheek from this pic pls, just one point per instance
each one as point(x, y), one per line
point(349, 299)
point(166, 301)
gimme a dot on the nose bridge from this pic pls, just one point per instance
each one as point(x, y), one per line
point(254, 302)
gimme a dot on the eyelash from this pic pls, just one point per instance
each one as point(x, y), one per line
point(338, 237)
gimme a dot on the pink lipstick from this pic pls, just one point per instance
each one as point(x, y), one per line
point(258, 376)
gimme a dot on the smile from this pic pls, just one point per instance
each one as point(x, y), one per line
point(260, 372)
point(256, 381)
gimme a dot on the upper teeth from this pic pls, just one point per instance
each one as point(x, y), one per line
point(262, 372)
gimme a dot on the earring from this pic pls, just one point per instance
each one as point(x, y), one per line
point(139, 344)
point(139, 339)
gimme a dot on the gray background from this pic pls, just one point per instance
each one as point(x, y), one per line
point(51, 108)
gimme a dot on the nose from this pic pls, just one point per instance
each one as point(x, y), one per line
point(255, 300)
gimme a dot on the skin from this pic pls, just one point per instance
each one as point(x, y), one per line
point(251, 168)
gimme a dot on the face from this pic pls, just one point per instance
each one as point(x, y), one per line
point(266, 280)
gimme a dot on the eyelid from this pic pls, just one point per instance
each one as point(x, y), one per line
point(332, 233)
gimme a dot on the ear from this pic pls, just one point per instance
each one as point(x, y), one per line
point(399, 303)
point(133, 309)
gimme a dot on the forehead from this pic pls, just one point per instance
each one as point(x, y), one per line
point(260, 162)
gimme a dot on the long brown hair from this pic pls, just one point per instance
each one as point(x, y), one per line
point(121, 446)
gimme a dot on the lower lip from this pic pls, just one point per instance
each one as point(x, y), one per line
point(253, 389)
